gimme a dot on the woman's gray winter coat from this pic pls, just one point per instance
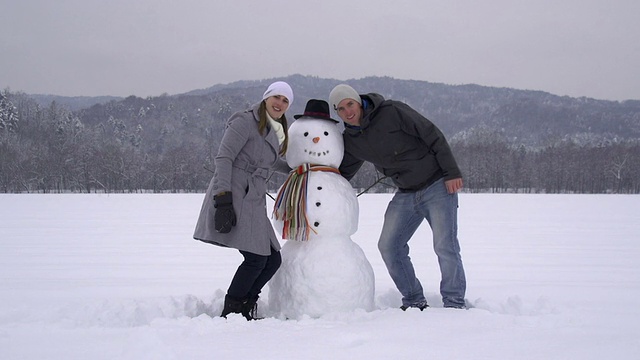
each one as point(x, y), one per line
point(242, 167)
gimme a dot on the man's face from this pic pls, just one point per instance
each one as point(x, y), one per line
point(350, 111)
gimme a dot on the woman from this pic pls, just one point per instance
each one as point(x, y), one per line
point(234, 210)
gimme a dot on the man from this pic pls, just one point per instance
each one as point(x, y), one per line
point(409, 149)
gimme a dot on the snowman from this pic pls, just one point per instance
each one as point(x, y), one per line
point(322, 269)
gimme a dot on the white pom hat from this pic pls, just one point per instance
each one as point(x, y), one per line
point(279, 88)
point(341, 92)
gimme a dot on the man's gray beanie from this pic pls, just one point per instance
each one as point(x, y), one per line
point(341, 92)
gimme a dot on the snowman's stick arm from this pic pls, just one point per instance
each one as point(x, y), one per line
point(269, 178)
point(372, 185)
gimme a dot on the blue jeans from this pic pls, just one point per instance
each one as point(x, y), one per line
point(405, 213)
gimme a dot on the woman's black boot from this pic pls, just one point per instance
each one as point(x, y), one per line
point(232, 305)
point(250, 309)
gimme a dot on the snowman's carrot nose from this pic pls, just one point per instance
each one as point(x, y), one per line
point(316, 139)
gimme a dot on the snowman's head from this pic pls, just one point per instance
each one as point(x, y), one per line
point(315, 137)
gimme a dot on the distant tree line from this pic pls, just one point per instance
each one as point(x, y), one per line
point(491, 165)
point(165, 145)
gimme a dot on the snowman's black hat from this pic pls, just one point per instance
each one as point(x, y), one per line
point(316, 109)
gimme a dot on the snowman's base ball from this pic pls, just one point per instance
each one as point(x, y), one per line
point(321, 276)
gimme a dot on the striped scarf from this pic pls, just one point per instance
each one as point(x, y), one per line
point(291, 203)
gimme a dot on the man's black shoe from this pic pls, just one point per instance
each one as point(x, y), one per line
point(421, 305)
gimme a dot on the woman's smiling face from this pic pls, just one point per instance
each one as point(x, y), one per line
point(276, 105)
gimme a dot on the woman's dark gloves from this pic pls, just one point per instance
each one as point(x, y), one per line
point(225, 217)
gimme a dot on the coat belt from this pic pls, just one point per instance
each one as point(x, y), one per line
point(251, 169)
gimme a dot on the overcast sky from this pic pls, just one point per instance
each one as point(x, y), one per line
point(150, 47)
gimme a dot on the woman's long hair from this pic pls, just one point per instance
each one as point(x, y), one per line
point(262, 124)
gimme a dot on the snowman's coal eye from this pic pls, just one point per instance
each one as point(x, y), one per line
point(326, 133)
point(306, 133)
point(316, 224)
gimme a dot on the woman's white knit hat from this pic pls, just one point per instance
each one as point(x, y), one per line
point(341, 92)
point(279, 88)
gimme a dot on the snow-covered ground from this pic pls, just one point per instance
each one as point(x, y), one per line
point(119, 277)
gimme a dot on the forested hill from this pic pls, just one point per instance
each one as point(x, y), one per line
point(532, 118)
point(504, 139)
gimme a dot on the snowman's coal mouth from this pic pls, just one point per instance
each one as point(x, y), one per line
point(317, 153)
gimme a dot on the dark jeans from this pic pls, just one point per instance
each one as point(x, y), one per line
point(253, 274)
